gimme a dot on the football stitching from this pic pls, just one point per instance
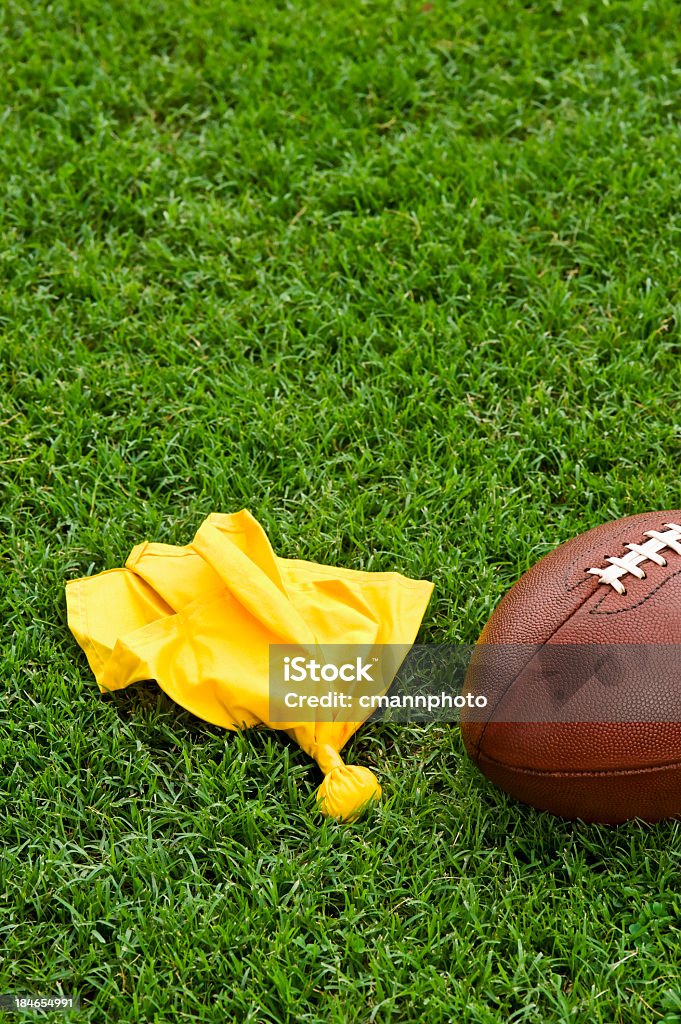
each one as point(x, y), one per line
point(630, 607)
point(598, 546)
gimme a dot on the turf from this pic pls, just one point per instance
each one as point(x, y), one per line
point(403, 279)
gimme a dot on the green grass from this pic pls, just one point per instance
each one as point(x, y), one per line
point(403, 280)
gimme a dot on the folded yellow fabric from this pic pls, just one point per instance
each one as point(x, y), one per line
point(200, 620)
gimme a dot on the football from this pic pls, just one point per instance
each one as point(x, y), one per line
point(580, 668)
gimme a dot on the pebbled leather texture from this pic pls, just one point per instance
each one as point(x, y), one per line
point(594, 769)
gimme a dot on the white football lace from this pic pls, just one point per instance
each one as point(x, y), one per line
point(638, 553)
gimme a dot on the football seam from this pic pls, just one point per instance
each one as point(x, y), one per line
point(553, 632)
point(630, 607)
point(595, 548)
point(597, 545)
point(590, 773)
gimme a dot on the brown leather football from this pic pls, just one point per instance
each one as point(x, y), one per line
point(581, 672)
